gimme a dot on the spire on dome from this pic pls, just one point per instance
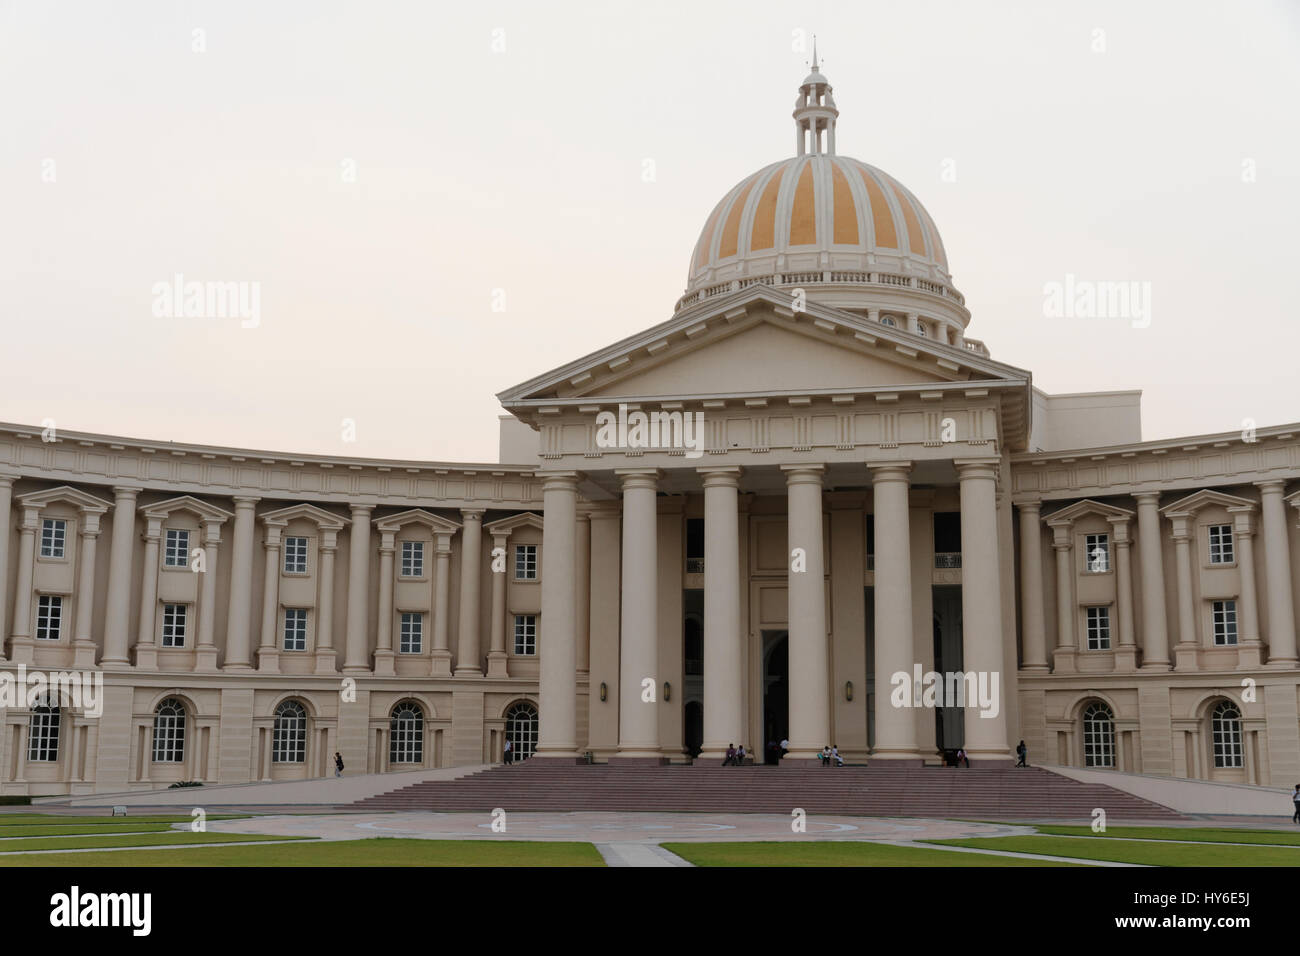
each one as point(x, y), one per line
point(815, 112)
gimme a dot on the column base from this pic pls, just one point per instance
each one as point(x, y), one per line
point(23, 651)
point(205, 659)
point(1185, 657)
point(146, 657)
point(326, 662)
point(1126, 657)
point(1035, 669)
point(1285, 662)
point(268, 660)
point(497, 664)
point(898, 758)
point(1163, 666)
point(1065, 661)
point(1250, 654)
point(83, 654)
point(384, 664)
point(241, 667)
point(441, 664)
point(468, 672)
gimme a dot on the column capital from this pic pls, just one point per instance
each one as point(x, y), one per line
point(245, 501)
point(977, 467)
point(127, 492)
point(559, 480)
point(363, 511)
point(1030, 506)
point(804, 474)
point(890, 470)
point(7, 479)
point(1147, 498)
point(720, 476)
point(639, 477)
point(1271, 486)
point(473, 514)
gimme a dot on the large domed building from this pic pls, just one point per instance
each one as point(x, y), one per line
point(805, 507)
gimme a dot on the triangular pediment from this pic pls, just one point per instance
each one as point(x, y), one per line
point(754, 341)
point(1195, 502)
point(506, 525)
point(201, 509)
point(320, 517)
point(1067, 516)
point(87, 503)
point(435, 523)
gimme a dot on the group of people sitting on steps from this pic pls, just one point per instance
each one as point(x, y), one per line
point(735, 756)
point(830, 756)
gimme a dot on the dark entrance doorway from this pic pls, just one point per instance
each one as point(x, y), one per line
point(949, 722)
point(776, 692)
point(693, 731)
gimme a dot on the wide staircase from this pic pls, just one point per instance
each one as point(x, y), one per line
point(1002, 793)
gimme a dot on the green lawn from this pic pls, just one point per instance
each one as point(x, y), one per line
point(56, 819)
point(1130, 851)
point(375, 852)
point(134, 839)
point(75, 828)
point(1201, 834)
point(830, 853)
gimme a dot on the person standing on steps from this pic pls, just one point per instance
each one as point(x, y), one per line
point(338, 764)
point(1295, 801)
point(508, 752)
point(1022, 751)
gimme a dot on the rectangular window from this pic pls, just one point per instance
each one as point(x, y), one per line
point(525, 633)
point(295, 629)
point(412, 635)
point(1221, 544)
point(295, 555)
point(1096, 553)
point(525, 562)
point(43, 734)
point(49, 618)
point(412, 559)
point(947, 539)
point(1098, 628)
point(54, 534)
point(173, 628)
point(1225, 623)
point(176, 553)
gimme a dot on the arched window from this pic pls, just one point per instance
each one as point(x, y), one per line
point(406, 734)
point(289, 739)
point(43, 732)
point(169, 732)
point(888, 320)
point(1225, 729)
point(920, 329)
point(521, 730)
point(1098, 736)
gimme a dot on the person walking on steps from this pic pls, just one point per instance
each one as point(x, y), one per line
point(1022, 751)
point(508, 753)
point(338, 764)
point(1295, 801)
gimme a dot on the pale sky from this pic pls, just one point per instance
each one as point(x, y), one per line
point(380, 168)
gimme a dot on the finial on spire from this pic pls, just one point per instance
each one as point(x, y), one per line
point(814, 63)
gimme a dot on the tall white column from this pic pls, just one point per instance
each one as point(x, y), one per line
point(1033, 627)
point(1063, 545)
point(638, 727)
point(206, 656)
point(981, 607)
point(1185, 651)
point(239, 621)
point(1250, 647)
point(83, 641)
point(441, 654)
point(582, 590)
point(809, 655)
point(384, 655)
point(146, 650)
point(117, 610)
point(557, 731)
point(6, 515)
point(20, 645)
point(497, 655)
point(471, 552)
point(1277, 575)
point(326, 661)
point(1155, 629)
point(1126, 653)
point(895, 654)
point(723, 660)
point(356, 661)
point(268, 655)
